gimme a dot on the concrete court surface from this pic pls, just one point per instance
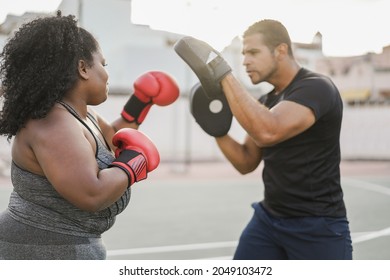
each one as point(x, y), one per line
point(197, 211)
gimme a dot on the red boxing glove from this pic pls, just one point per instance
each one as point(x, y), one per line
point(151, 88)
point(136, 154)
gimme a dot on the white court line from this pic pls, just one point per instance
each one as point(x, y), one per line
point(371, 235)
point(369, 186)
point(374, 188)
point(229, 244)
point(174, 248)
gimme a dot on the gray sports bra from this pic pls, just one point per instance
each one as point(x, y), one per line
point(35, 202)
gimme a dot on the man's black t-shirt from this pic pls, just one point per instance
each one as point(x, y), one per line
point(302, 174)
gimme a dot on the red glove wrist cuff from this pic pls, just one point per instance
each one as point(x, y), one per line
point(135, 110)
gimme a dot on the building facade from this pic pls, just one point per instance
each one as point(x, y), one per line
point(132, 49)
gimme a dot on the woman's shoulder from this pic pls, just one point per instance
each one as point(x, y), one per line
point(40, 134)
point(58, 121)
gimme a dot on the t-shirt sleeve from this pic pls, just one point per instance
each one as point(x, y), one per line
point(316, 93)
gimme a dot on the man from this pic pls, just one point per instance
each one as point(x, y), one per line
point(295, 130)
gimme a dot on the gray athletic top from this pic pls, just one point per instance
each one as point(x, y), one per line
point(35, 202)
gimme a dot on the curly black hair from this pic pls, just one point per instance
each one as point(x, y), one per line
point(38, 65)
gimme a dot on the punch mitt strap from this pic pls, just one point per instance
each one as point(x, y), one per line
point(212, 114)
point(207, 63)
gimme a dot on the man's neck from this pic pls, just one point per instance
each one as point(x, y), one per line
point(286, 75)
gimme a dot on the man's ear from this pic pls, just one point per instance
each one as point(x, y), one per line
point(281, 50)
point(83, 69)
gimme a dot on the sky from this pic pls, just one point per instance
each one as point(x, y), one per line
point(348, 27)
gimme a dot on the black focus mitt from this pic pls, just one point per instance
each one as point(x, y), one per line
point(212, 114)
point(207, 63)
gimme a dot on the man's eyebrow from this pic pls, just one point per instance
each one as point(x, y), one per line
point(252, 50)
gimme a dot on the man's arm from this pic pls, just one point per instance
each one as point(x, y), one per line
point(244, 157)
point(267, 127)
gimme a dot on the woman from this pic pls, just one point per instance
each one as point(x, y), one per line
point(69, 185)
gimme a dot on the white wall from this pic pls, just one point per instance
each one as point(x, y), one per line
point(365, 133)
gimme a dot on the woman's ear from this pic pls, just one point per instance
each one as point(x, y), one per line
point(83, 69)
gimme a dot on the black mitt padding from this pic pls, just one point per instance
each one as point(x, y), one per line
point(207, 63)
point(212, 114)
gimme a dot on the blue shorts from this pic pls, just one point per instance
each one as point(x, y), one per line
point(304, 238)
